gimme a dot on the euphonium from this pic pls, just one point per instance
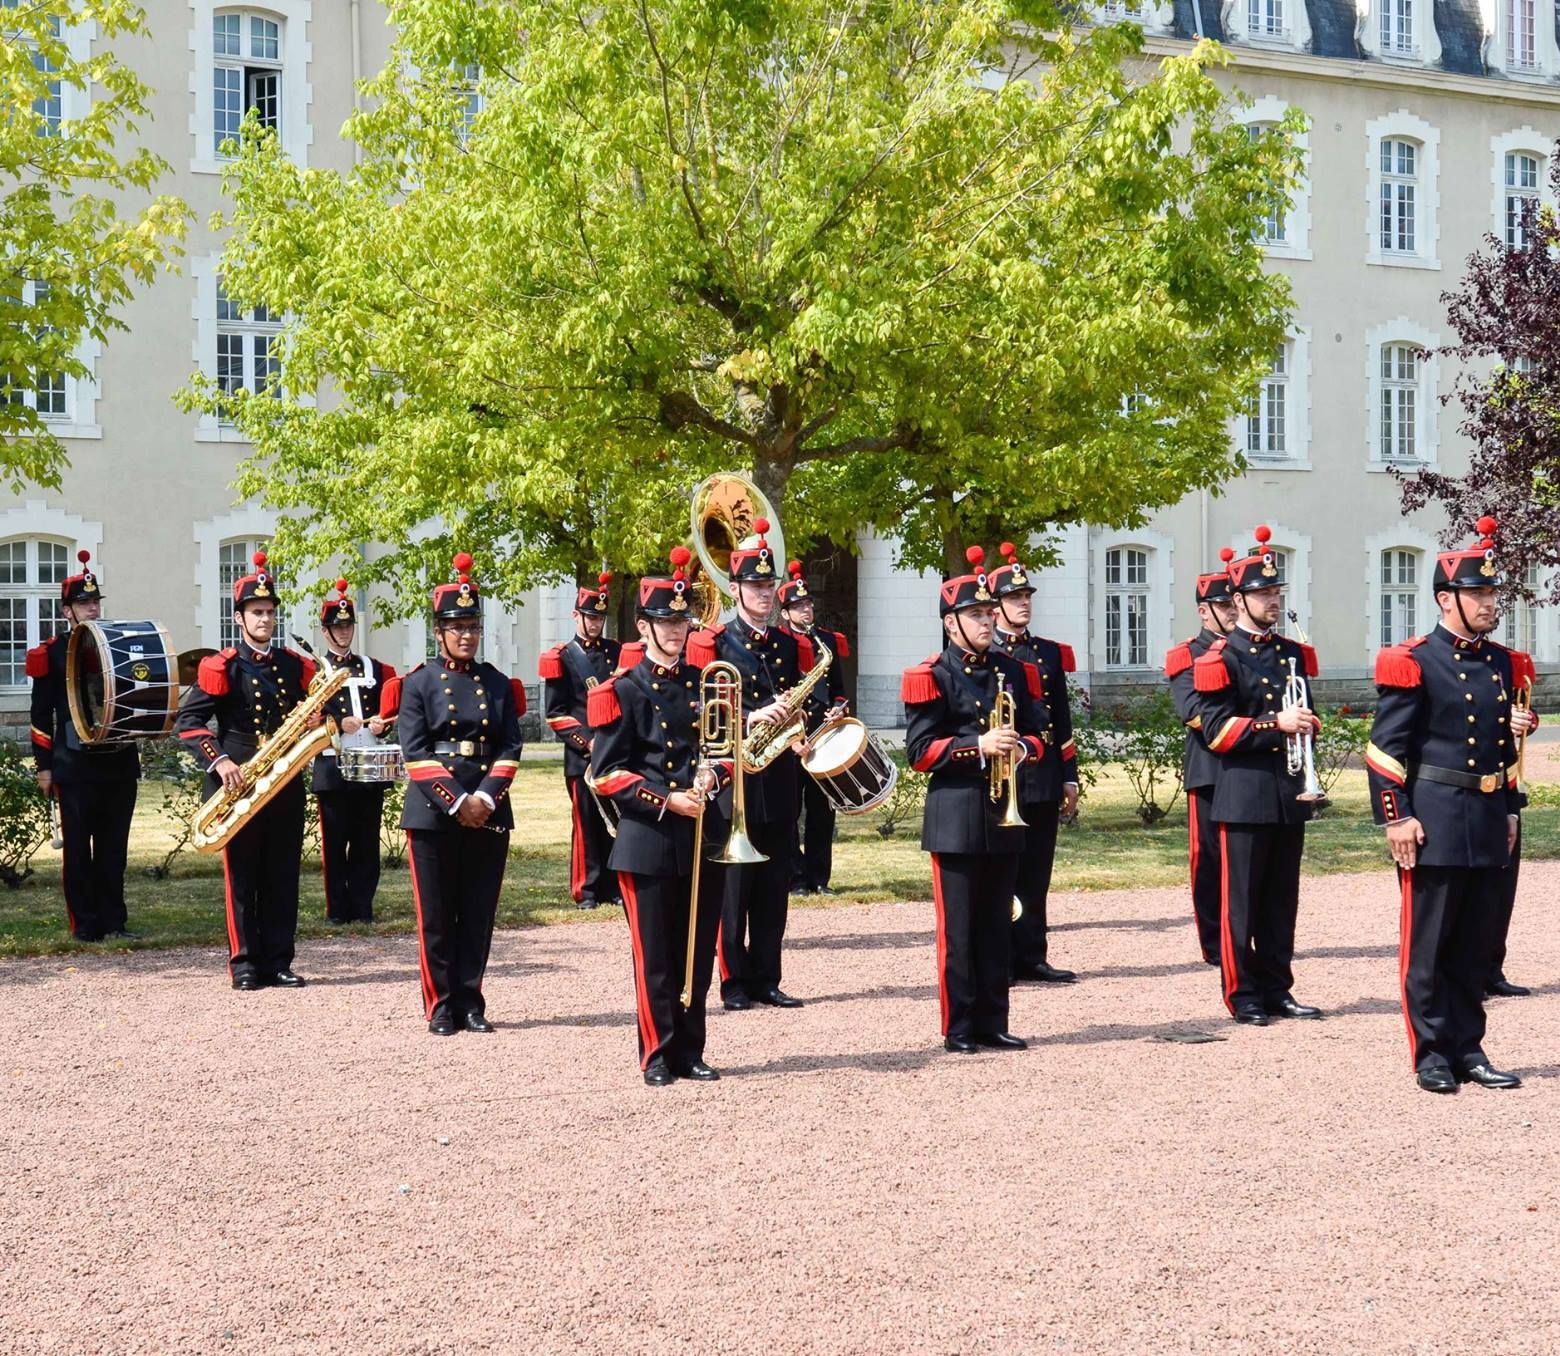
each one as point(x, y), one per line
point(768, 739)
point(1002, 771)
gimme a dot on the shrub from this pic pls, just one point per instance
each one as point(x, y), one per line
point(183, 787)
point(392, 837)
point(1345, 733)
point(1145, 736)
point(24, 816)
point(906, 803)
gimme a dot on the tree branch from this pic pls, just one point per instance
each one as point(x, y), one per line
point(678, 409)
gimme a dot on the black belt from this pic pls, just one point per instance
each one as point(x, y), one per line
point(1487, 783)
point(462, 748)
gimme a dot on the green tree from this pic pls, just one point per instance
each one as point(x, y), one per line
point(70, 256)
point(884, 255)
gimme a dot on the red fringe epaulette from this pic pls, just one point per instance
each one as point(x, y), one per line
point(841, 645)
point(1209, 673)
point(1069, 659)
point(1178, 660)
point(700, 649)
point(1395, 667)
point(918, 685)
point(212, 674)
point(806, 654)
point(1523, 671)
point(550, 665)
point(390, 696)
point(518, 688)
point(630, 655)
point(1308, 655)
point(601, 705)
point(1032, 673)
point(309, 668)
point(37, 665)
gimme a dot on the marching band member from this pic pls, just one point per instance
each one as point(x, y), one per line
point(771, 661)
point(953, 735)
point(1199, 768)
point(249, 690)
point(94, 788)
point(1442, 765)
point(350, 812)
point(460, 735)
point(814, 862)
point(569, 672)
point(1047, 785)
point(644, 756)
point(1239, 683)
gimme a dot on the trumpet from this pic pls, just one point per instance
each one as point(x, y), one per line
point(720, 736)
point(1002, 772)
point(1522, 700)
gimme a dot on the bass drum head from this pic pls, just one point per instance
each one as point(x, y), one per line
point(122, 682)
point(836, 747)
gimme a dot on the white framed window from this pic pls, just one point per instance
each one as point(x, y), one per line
point(1399, 29)
point(246, 73)
point(31, 572)
point(1286, 233)
point(471, 96)
point(252, 57)
point(1521, 35)
point(1519, 176)
point(235, 559)
point(67, 404)
point(1126, 607)
point(1522, 43)
point(1519, 622)
point(247, 352)
point(1400, 569)
point(1266, 18)
point(1151, 15)
point(1403, 219)
point(1273, 432)
point(43, 391)
point(1267, 417)
point(1399, 402)
point(1273, 229)
point(1401, 413)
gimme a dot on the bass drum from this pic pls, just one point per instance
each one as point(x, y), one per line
point(851, 766)
point(122, 679)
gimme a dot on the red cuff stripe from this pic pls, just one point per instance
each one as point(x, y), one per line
point(1230, 735)
point(1390, 773)
point(938, 747)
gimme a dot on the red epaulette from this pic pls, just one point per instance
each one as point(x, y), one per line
point(37, 665)
point(310, 668)
point(1032, 673)
point(1523, 671)
point(1178, 660)
point(700, 649)
point(841, 645)
point(630, 655)
point(518, 688)
point(1208, 672)
point(1395, 666)
point(806, 653)
point(387, 671)
point(212, 674)
point(390, 695)
point(1308, 656)
point(550, 665)
point(1069, 659)
point(918, 684)
point(601, 703)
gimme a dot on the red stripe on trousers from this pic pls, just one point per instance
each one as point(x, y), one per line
point(430, 995)
point(720, 952)
point(324, 859)
point(641, 994)
point(942, 941)
point(1226, 942)
point(1405, 949)
point(577, 848)
point(232, 921)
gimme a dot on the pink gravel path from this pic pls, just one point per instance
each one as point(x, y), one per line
point(189, 1169)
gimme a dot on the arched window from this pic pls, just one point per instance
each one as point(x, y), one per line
point(1399, 402)
point(1519, 625)
point(235, 559)
point(1400, 571)
point(1401, 408)
point(246, 51)
point(1522, 183)
point(31, 571)
point(1404, 202)
point(1400, 164)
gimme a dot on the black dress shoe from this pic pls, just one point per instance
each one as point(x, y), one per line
point(1504, 988)
point(125, 935)
point(1045, 974)
point(1000, 1040)
point(1251, 1016)
point(84, 939)
point(774, 998)
point(475, 1021)
point(442, 1025)
point(285, 979)
point(1436, 1079)
point(247, 983)
point(824, 890)
point(1210, 960)
point(657, 1075)
point(588, 904)
point(699, 1071)
point(1487, 1077)
point(1287, 1007)
point(961, 1045)
point(738, 1002)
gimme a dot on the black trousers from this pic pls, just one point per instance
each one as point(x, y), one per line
point(657, 909)
point(1034, 883)
point(589, 846)
point(1447, 932)
point(456, 876)
point(95, 824)
point(815, 851)
point(261, 865)
point(974, 899)
point(753, 912)
point(1504, 908)
point(1260, 891)
point(1207, 872)
point(349, 850)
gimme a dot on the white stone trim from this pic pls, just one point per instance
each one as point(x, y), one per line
point(1399, 536)
point(1156, 17)
point(1161, 581)
point(297, 92)
point(1428, 421)
point(1297, 217)
point(1298, 544)
point(1297, 30)
point(37, 518)
point(1427, 203)
point(1497, 43)
point(245, 521)
point(1534, 143)
point(1427, 41)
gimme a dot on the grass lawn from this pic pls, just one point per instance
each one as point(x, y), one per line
point(1109, 848)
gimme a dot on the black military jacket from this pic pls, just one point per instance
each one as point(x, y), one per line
point(1238, 686)
point(568, 673)
point(1199, 768)
point(771, 661)
point(831, 691)
point(1042, 779)
point(327, 777)
point(646, 743)
point(249, 694)
point(460, 734)
point(57, 748)
point(950, 699)
point(1444, 705)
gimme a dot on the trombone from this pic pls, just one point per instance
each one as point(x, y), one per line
point(1300, 748)
point(1002, 773)
point(720, 737)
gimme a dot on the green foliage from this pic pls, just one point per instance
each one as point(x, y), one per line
point(183, 790)
point(1341, 744)
point(60, 213)
point(877, 254)
point(1145, 737)
point(392, 837)
point(905, 802)
point(24, 817)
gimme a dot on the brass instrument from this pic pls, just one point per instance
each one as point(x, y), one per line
point(1300, 747)
point(277, 761)
point(720, 519)
point(1002, 771)
point(768, 739)
point(720, 736)
point(1521, 700)
point(56, 837)
point(604, 807)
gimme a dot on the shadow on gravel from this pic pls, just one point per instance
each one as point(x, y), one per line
point(1126, 924)
point(881, 1061)
point(916, 991)
point(1542, 1071)
point(866, 941)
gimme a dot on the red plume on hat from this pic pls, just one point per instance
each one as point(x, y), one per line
point(679, 556)
point(341, 587)
point(1226, 554)
point(975, 554)
point(83, 555)
point(1009, 551)
point(604, 578)
point(794, 569)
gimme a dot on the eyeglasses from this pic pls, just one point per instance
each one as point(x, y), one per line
point(464, 628)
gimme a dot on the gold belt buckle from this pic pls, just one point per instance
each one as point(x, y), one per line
point(1489, 781)
point(467, 748)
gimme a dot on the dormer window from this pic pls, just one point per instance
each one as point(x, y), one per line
point(1397, 28)
point(1153, 16)
point(1522, 28)
point(1266, 18)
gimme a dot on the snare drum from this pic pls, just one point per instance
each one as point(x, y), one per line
point(123, 682)
point(851, 766)
point(371, 763)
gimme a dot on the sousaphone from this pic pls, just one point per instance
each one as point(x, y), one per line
point(720, 519)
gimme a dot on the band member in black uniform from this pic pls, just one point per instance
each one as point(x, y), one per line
point(249, 689)
point(1443, 779)
point(1047, 785)
point(645, 757)
point(771, 661)
point(1525, 677)
point(350, 812)
point(1239, 684)
point(1199, 768)
point(460, 736)
point(568, 674)
point(814, 862)
point(94, 787)
point(975, 859)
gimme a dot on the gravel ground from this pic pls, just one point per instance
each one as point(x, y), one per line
point(190, 1169)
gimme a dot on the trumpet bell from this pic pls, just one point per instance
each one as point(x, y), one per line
point(739, 851)
point(1011, 819)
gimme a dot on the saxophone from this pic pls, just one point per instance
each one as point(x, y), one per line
point(768, 739)
point(276, 762)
